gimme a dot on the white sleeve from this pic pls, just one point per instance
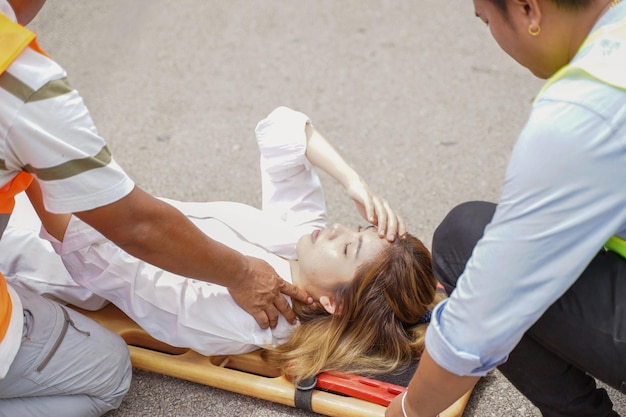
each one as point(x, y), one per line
point(291, 188)
point(56, 140)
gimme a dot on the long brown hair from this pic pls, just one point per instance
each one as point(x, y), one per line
point(376, 328)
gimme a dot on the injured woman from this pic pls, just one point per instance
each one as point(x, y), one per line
point(373, 287)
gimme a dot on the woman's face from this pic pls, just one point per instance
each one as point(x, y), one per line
point(331, 256)
point(544, 54)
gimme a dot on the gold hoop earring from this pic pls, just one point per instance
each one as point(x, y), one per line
point(534, 32)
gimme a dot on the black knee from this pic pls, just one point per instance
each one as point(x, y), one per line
point(455, 238)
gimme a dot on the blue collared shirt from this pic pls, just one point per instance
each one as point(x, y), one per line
point(562, 198)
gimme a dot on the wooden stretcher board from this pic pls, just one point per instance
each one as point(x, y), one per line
point(248, 374)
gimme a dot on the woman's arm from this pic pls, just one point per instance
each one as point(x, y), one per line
point(372, 207)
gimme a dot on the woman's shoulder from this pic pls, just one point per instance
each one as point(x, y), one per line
point(579, 95)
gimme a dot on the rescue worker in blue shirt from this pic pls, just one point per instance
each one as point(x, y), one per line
point(537, 283)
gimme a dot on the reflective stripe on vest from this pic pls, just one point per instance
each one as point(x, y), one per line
point(602, 56)
point(13, 40)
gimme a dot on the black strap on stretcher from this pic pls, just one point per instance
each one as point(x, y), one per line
point(304, 392)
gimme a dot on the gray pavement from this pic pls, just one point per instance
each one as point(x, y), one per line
point(415, 94)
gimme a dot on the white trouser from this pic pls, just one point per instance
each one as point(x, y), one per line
point(67, 365)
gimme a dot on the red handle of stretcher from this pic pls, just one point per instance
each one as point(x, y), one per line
point(363, 388)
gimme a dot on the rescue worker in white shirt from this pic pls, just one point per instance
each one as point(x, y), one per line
point(383, 312)
point(53, 361)
point(541, 289)
point(46, 133)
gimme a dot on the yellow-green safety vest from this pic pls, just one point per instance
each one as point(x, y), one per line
point(604, 59)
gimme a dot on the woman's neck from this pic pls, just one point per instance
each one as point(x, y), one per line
point(294, 267)
point(587, 20)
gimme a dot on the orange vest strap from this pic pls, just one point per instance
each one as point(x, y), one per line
point(8, 191)
point(6, 307)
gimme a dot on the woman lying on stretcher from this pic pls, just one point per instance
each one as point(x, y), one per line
point(373, 295)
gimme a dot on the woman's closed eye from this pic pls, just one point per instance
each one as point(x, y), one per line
point(359, 229)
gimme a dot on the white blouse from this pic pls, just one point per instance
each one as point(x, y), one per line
point(190, 313)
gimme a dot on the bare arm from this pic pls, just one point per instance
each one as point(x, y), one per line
point(432, 390)
point(26, 10)
point(55, 224)
point(156, 232)
point(372, 207)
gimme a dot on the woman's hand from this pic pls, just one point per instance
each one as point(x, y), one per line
point(375, 210)
point(372, 207)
